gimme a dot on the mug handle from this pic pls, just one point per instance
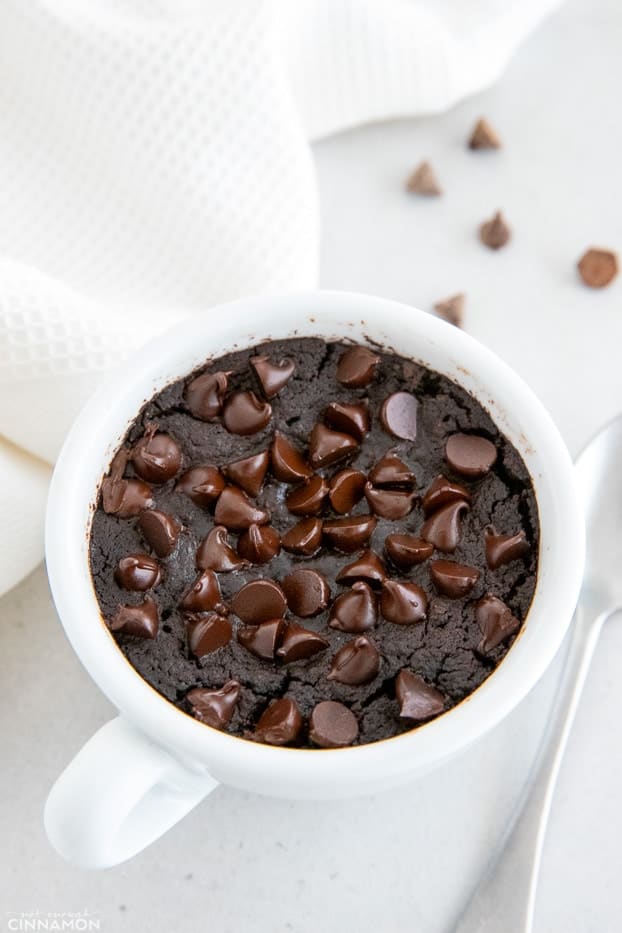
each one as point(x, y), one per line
point(120, 793)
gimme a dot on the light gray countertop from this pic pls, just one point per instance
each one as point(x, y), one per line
point(407, 859)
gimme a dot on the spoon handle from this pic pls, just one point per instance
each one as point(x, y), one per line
point(505, 898)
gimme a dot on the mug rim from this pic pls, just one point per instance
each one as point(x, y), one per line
point(304, 314)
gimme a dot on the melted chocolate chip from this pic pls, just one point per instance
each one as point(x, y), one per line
point(161, 531)
point(259, 544)
point(418, 700)
point(308, 498)
point(503, 549)
point(350, 533)
point(205, 395)
point(214, 708)
point(356, 367)
point(235, 510)
point(259, 601)
point(288, 464)
point(356, 663)
point(262, 640)
point(399, 415)
point(353, 419)
point(327, 447)
point(495, 621)
point(215, 552)
point(470, 455)
point(368, 567)
point(405, 550)
point(389, 503)
point(137, 572)
point(244, 413)
point(141, 620)
point(124, 498)
point(280, 724)
point(391, 472)
point(304, 538)
point(441, 492)
point(354, 611)
point(442, 529)
point(300, 643)
point(204, 593)
point(272, 376)
point(202, 484)
point(207, 633)
point(249, 473)
point(156, 457)
point(346, 489)
point(332, 725)
point(306, 591)
point(402, 602)
point(451, 579)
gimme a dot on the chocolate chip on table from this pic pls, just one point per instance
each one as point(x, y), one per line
point(349, 533)
point(304, 538)
point(470, 455)
point(204, 594)
point(483, 136)
point(424, 181)
point(262, 640)
point(243, 413)
point(307, 592)
point(259, 544)
point(160, 530)
point(123, 497)
point(403, 602)
point(496, 622)
point(299, 643)
point(202, 484)
point(495, 233)
point(280, 723)
point(207, 633)
point(368, 567)
point(346, 488)
point(418, 701)
point(141, 620)
point(503, 549)
point(451, 579)
point(406, 550)
point(598, 267)
point(235, 510)
point(442, 528)
point(452, 309)
point(272, 376)
point(216, 553)
point(356, 367)
point(399, 415)
point(332, 725)
point(259, 601)
point(352, 419)
point(249, 473)
point(442, 491)
point(327, 446)
point(205, 395)
point(138, 572)
point(288, 464)
point(354, 611)
point(358, 662)
point(389, 503)
point(308, 498)
point(156, 456)
point(392, 472)
point(214, 708)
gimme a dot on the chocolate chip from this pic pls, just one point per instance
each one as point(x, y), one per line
point(332, 725)
point(204, 593)
point(405, 550)
point(392, 472)
point(202, 484)
point(137, 572)
point(141, 620)
point(306, 591)
point(280, 723)
point(124, 497)
point(502, 549)
point(308, 498)
point(452, 309)
point(451, 579)
point(205, 395)
point(327, 447)
point(354, 611)
point(442, 529)
point(244, 413)
point(207, 633)
point(440, 492)
point(259, 601)
point(156, 457)
point(300, 643)
point(356, 367)
point(272, 376)
point(598, 267)
point(161, 531)
point(353, 419)
point(495, 621)
point(483, 136)
point(346, 488)
point(424, 181)
point(288, 465)
point(262, 640)
point(399, 415)
point(259, 544)
point(215, 708)
point(356, 663)
point(367, 567)
point(403, 602)
point(249, 473)
point(236, 511)
point(304, 538)
point(417, 700)
point(215, 552)
point(389, 503)
point(495, 233)
point(470, 454)
point(350, 533)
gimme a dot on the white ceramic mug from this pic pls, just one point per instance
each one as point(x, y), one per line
point(143, 771)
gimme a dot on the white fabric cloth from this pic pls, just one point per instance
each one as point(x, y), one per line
point(154, 160)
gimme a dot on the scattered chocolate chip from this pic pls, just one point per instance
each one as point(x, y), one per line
point(399, 415)
point(452, 309)
point(235, 510)
point(215, 552)
point(392, 472)
point(405, 550)
point(502, 549)
point(470, 454)
point(272, 376)
point(355, 610)
point(288, 465)
point(451, 579)
point(368, 567)
point(350, 533)
point(356, 367)
point(204, 593)
point(215, 708)
point(249, 473)
point(495, 233)
point(259, 544)
point(441, 492)
point(327, 447)
point(389, 503)
point(262, 640)
point(141, 620)
point(403, 602)
point(304, 538)
point(124, 498)
point(207, 633)
point(243, 413)
point(598, 267)
point(299, 644)
point(332, 725)
point(156, 457)
point(308, 498)
point(202, 484)
point(346, 488)
point(306, 591)
point(205, 395)
point(424, 181)
point(259, 601)
point(353, 419)
point(417, 700)
point(442, 528)
point(483, 136)
point(137, 572)
point(495, 621)
point(160, 530)
point(356, 663)
point(280, 723)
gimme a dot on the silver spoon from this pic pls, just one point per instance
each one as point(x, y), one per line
point(504, 901)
